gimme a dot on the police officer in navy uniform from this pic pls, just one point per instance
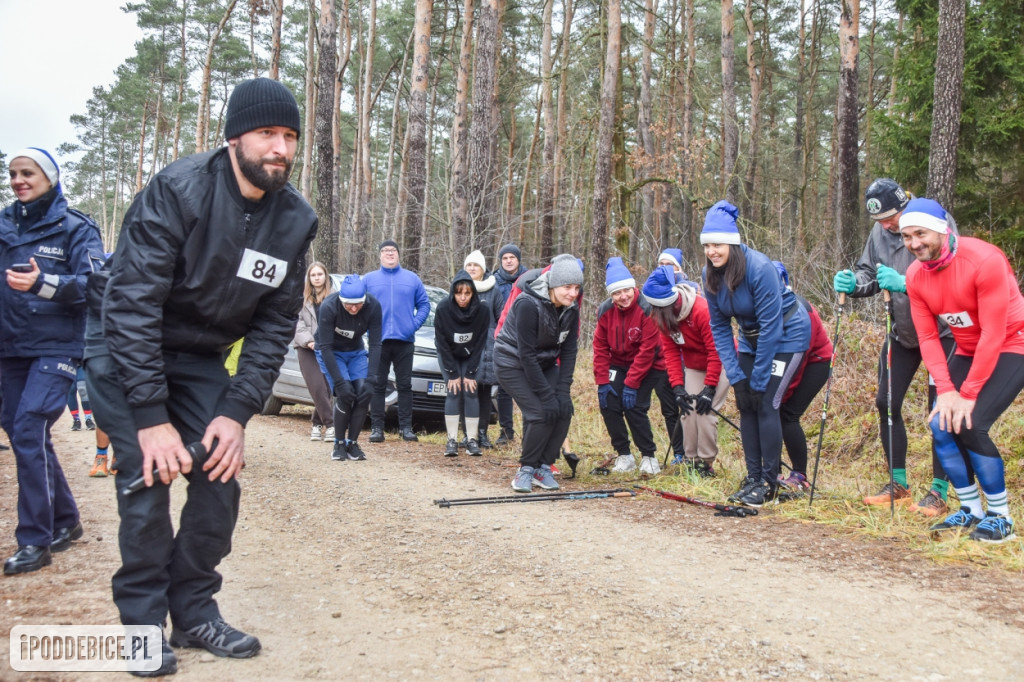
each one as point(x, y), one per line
point(212, 250)
point(47, 251)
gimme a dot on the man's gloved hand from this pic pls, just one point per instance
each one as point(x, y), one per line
point(747, 400)
point(845, 282)
point(344, 391)
point(628, 398)
point(565, 408)
point(602, 395)
point(683, 400)
point(890, 279)
point(704, 399)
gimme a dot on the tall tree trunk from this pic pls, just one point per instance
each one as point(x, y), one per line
point(560, 122)
point(352, 260)
point(848, 222)
point(644, 124)
point(948, 94)
point(182, 75)
point(306, 185)
point(483, 131)
point(327, 237)
point(606, 130)
point(365, 194)
point(895, 59)
point(203, 123)
point(547, 176)
point(459, 182)
point(730, 128)
point(416, 177)
point(142, 145)
point(275, 37)
point(391, 209)
point(687, 165)
point(796, 198)
point(755, 73)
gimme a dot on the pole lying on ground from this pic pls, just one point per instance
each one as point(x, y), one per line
point(828, 393)
point(540, 497)
point(602, 468)
point(722, 509)
point(888, 394)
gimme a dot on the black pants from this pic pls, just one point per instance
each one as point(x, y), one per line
point(814, 378)
point(904, 364)
point(542, 433)
point(464, 403)
point(505, 405)
point(670, 412)
point(163, 572)
point(761, 431)
point(398, 354)
point(350, 416)
point(616, 418)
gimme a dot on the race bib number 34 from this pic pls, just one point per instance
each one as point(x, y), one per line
point(262, 269)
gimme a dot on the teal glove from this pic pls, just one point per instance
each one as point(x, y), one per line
point(890, 279)
point(844, 282)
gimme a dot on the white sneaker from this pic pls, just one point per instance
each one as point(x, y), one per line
point(315, 433)
point(649, 465)
point(329, 434)
point(624, 464)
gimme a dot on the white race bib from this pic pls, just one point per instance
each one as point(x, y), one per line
point(562, 337)
point(778, 368)
point(463, 338)
point(957, 319)
point(262, 269)
point(347, 333)
point(612, 373)
point(678, 338)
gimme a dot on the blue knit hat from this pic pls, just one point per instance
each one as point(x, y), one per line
point(352, 290)
point(659, 289)
point(674, 255)
point(617, 276)
point(720, 225)
point(926, 213)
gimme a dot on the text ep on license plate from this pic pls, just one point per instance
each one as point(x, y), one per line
point(437, 388)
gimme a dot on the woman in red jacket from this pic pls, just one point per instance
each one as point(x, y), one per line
point(692, 362)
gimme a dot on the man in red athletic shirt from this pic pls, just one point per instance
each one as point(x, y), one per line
point(969, 284)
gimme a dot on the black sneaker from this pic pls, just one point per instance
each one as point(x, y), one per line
point(451, 448)
point(376, 435)
point(703, 469)
point(749, 483)
point(506, 438)
point(993, 528)
point(168, 662)
point(484, 441)
point(409, 435)
point(76, 425)
point(217, 637)
point(340, 453)
point(355, 453)
point(760, 494)
point(473, 448)
point(90, 424)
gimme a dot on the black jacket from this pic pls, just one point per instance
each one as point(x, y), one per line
point(338, 330)
point(198, 267)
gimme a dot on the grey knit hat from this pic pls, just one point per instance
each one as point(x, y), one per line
point(565, 270)
point(258, 103)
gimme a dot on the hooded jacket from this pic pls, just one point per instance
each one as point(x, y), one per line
point(887, 248)
point(692, 344)
point(491, 298)
point(460, 334)
point(198, 267)
point(340, 331)
point(626, 338)
point(760, 304)
point(536, 335)
point(49, 319)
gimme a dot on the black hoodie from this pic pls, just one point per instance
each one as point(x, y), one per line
point(461, 333)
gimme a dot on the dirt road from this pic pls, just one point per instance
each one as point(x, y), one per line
point(348, 571)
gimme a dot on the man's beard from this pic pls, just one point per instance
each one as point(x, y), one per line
point(255, 172)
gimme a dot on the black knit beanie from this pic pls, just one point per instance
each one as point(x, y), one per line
point(258, 103)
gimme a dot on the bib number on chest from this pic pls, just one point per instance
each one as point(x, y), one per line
point(677, 337)
point(960, 320)
point(262, 269)
point(347, 333)
point(464, 338)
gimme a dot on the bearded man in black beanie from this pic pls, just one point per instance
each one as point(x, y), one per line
point(211, 251)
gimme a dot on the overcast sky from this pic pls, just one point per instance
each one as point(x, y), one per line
point(55, 53)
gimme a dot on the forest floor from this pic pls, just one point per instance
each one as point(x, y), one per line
point(347, 570)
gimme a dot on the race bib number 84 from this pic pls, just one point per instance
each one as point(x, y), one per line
point(262, 269)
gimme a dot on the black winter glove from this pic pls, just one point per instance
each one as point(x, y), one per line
point(552, 410)
point(565, 408)
point(746, 399)
point(683, 400)
point(704, 399)
point(344, 391)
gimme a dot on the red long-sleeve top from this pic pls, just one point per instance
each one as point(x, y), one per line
point(625, 338)
point(820, 350)
point(978, 297)
point(693, 346)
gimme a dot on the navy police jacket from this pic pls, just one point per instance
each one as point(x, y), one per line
point(48, 320)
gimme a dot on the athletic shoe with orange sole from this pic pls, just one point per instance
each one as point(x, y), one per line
point(99, 467)
point(902, 496)
point(931, 504)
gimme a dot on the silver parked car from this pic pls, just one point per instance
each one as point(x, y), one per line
point(428, 388)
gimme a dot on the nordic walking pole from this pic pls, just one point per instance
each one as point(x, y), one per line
point(550, 497)
point(670, 437)
point(828, 393)
point(888, 395)
point(722, 509)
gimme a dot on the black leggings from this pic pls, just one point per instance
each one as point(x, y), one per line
point(814, 378)
point(465, 402)
point(904, 364)
point(761, 431)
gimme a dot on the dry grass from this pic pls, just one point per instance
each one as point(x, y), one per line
point(851, 463)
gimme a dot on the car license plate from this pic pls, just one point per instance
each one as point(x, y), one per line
point(437, 388)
